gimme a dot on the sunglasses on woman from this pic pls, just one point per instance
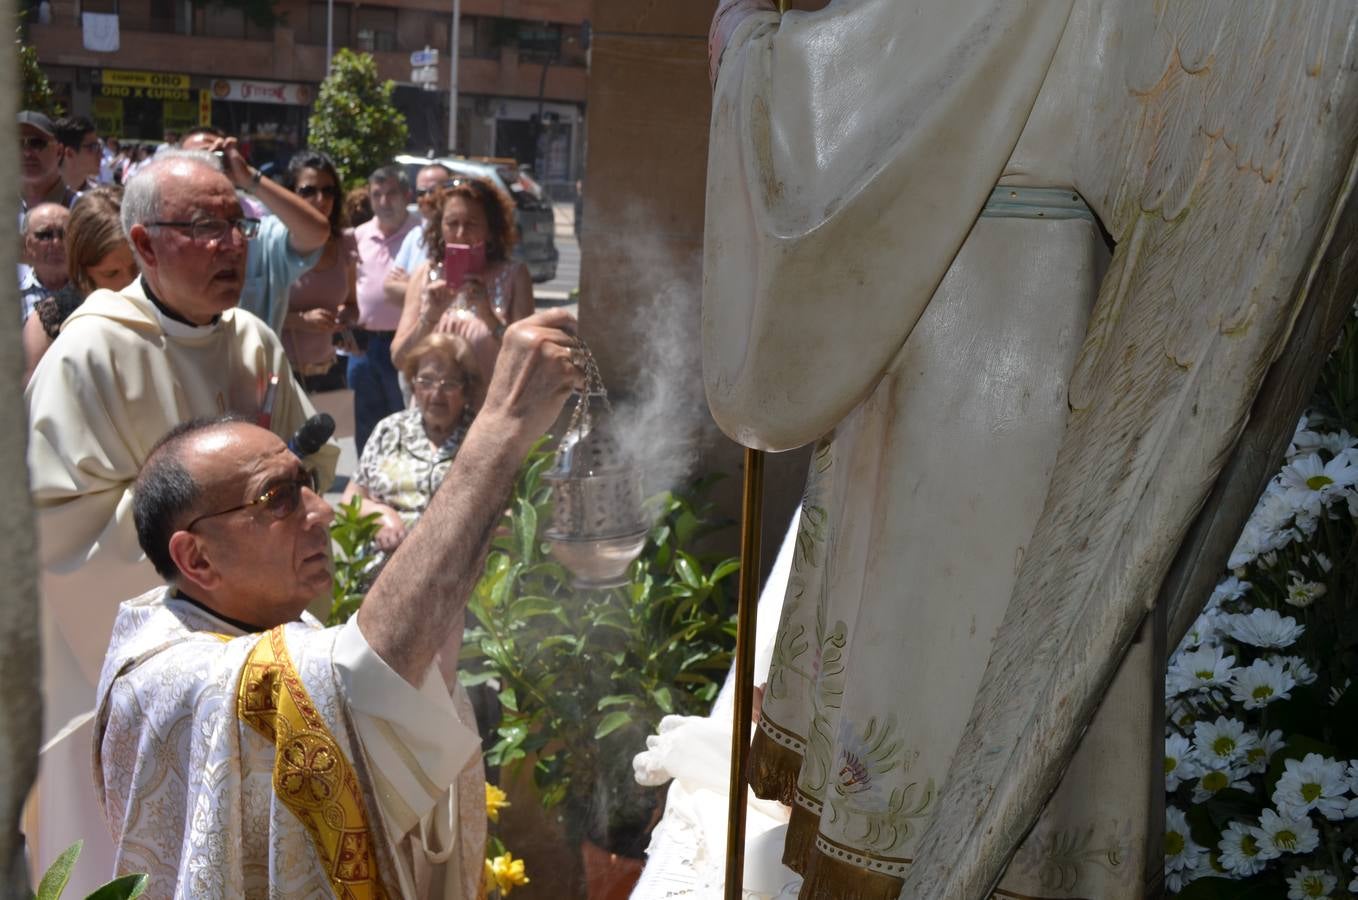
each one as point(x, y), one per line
point(307, 191)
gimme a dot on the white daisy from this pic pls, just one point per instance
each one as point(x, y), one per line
point(1263, 628)
point(1302, 593)
point(1180, 765)
point(1351, 810)
point(1197, 669)
point(1322, 561)
point(1338, 443)
point(1337, 692)
point(1310, 483)
point(1221, 743)
point(1215, 779)
point(1309, 884)
point(1304, 440)
point(1242, 850)
point(1258, 756)
point(1181, 852)
point(1265, 529)
point(1288, 834)
point(1297, 668)
point(1315, 782)
point(1261, 683)
point(1230, 589)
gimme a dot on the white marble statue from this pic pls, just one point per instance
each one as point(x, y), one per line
point(1019, 270)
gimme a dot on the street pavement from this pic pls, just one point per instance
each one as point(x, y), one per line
point(558, 290)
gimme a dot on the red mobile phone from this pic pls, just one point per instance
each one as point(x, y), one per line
point(461, 260)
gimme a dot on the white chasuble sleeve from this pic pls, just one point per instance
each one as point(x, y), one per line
point(416, 745)
point(850, 153)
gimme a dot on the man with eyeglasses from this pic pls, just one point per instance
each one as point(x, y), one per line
point(307, 761)
point(128, 366)
point(372, 375)
point(427, 181)
point(44, 254)
point(81, 152)
point(40, 157)
point(291, 234)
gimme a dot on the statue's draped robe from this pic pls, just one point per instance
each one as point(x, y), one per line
point(934, 377)
point(973, 574)
point(118, 378)
point(290, 763)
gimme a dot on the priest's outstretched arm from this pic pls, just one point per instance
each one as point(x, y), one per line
point(415, 609)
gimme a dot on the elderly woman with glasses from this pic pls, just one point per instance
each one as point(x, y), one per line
point(409, 452)
point(475, 213)
point(324, 299)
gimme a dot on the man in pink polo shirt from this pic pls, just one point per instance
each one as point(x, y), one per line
point(372, 377)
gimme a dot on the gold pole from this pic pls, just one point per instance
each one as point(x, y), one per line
point(751, 525)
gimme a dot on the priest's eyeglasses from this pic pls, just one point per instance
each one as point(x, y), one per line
point(280, 500)
point(206, 231)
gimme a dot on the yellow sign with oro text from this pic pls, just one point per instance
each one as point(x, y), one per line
point(130, 78)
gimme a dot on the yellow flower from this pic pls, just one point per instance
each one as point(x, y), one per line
point(507, 872)
point(496, 800)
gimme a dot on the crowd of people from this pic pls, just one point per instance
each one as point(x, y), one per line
point(177, 326)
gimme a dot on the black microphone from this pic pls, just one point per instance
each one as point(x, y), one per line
point(312, 436)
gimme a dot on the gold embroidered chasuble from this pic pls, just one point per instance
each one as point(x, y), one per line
point(290, 763)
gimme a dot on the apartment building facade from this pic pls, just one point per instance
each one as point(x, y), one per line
point(142, 68)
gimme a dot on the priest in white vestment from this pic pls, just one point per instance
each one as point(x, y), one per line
point(127, 367)
point(245, 751)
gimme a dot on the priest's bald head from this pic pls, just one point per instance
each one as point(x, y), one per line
point(229, 516)
point(184, 222)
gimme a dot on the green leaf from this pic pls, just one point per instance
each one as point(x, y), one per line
point(126, 887)
point(59, 872)
point(615, 700)
point(611, 723)
point(663, 699)
point(687, 568)
point(472, 679)
point(724, 568)
point(509, 699)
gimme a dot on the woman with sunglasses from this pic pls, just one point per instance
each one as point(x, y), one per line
point(475, 213)
point(323, 300)
point(409, 452)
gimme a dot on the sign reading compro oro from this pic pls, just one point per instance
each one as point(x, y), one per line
point(129, 78)
point(262, 91)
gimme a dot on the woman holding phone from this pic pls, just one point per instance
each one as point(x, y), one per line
point(469, 286)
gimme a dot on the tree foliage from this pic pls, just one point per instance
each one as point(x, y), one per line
point(354, 120)
point(38, 94)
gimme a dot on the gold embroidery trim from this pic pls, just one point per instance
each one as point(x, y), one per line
point(311, 775)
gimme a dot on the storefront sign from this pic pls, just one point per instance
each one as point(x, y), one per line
point(149, 93)
point(261, 91)
point(155, 80)
point(205, 107)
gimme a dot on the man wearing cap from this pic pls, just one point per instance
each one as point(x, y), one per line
point(40, 155)
point(127, 367)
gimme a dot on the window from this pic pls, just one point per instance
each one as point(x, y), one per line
point(315, 31)
point(375, 29)
point(223, 21)
point(169, 16)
